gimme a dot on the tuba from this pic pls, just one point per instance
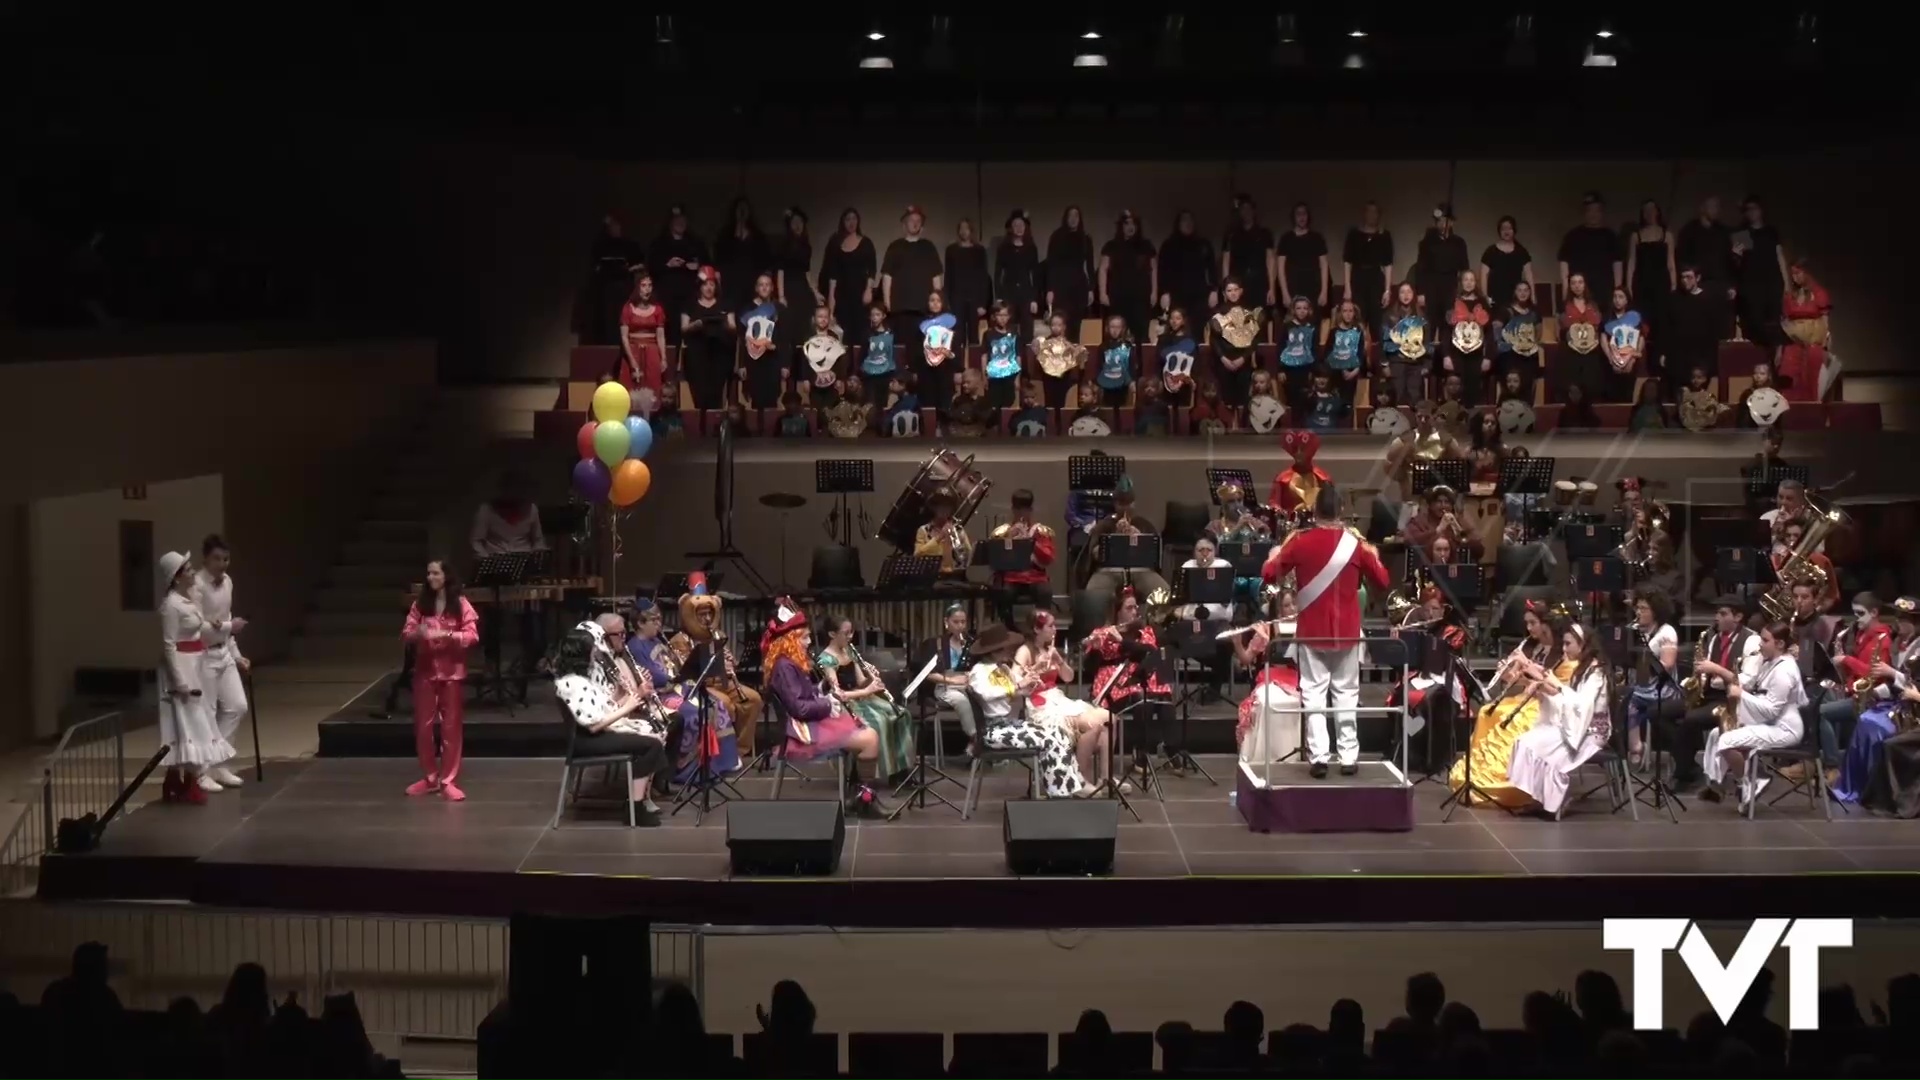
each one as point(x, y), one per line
point(1800, 569)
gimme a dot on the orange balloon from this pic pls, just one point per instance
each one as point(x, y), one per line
point(631, 479)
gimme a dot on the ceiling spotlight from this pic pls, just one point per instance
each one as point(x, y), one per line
point(1092, 32)
point(663, 29)
point(1287, 51)
point(1356, 32)
point(1603, 33)
point(876, 34)
point(876, 63)
point(1354, 62)
point(1090, 60)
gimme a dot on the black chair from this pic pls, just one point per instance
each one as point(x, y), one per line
point(896, 1053)
point(815, 1054)
point(985, 757)
point(582, 755)
point(777, 754)
point(1771, 762)
point(1612, 760)
point(1018, 1053)
point(1126, 1052)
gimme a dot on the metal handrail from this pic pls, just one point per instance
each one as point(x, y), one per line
point(62, 794)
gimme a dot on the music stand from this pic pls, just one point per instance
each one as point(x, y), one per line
point(501, 570)
point(1764, 483)
point(1590, 540)
point(1594, 578)
point(1209, 585)
point(1129, 552)
point(1189, 639)
point(1424, 475)
point(1095, 472)
point(840, 477)
point(1217, 477)
point(907, 572)
point(1249, 557)
point(1003, 555)
point(1531, 478)
point(1463, 584)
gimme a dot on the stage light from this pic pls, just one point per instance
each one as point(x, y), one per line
point(663, 29)
point(1356, 32)
point(1289, 26)
point(1287, 51)
point(1596, 58)
point(1603, 33)
point(876, 63)
point(1092, 32)
point(1354, 62)
point(1090, 60)
point(876, 34)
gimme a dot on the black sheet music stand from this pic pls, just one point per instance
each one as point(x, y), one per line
point(1590, 540)
point(1531, 478)
point(1743, 571)
point(1128, 552)
point(1425, 474)
point(907, 572)
point(1463, 584)
point(1095, 472)
point(1217, 477)
point(1764, 484)
point(840, 477)
point(1248, 557)
point(1597, 577)
point(1003, 555)
point(498, 571)
point(1188, 639)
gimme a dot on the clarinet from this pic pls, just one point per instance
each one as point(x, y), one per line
point(872, 673)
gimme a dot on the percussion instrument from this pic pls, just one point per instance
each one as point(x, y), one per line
point(944, 471)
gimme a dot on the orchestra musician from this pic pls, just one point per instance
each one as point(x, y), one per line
point(1573, 723)
point(1791, 534)
point(1877, 721)
point(847, 677)
point(1123, 522)
point(954, 650)
point(1823, 707)
point(1512, 708)
point(1768, 710)
point(817, 725)
point(1647, 548)
point(1239, 522)
point(1790, 505)
point(1425, 689)
point(1039, 667)
point(1857, 647)
point(1268, 724)
point(508, 523)
point(1439, 520)
point(1128, 676)
point(1331, 562)
point(1031, 584)
point(944, 537)
point(1659, 694)
point(616, 703)
point(1296, 486)
point(694, 644)
point(681, 699)
point(1728, 654)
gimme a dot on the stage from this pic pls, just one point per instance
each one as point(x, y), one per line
point(339, 835)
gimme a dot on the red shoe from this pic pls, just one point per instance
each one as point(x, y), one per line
point(191, 792)
point(170, 787)
point(451, 793)
point(423, 787)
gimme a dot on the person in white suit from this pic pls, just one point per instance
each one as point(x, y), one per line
point(1573, 724)
point(1767, 707)
point(221, 665)
point(187, 729)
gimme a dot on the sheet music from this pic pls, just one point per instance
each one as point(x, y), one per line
point(932, 661)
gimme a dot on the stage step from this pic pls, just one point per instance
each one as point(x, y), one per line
point(1377, 799)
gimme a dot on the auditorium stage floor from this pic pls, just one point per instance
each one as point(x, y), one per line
point(338, 834)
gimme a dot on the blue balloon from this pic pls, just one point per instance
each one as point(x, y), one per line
point(642, 437)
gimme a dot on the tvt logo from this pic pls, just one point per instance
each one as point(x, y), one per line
point(1726, 984)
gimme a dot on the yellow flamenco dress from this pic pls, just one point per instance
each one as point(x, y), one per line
point(1492, 745)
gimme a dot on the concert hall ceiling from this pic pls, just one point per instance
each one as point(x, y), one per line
point(1332, 81)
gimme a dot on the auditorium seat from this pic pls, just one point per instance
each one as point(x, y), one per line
point(1739, 357)
point(1127, 1052)
point(1012, 1054)
point(816, 1054)
point(1854, 415)
point(895, 1053)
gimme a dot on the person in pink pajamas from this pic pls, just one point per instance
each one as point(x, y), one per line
point(441, 626)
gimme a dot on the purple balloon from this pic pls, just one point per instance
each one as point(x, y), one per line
point(592, 480)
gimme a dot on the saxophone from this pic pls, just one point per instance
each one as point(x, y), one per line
point(1695, 685)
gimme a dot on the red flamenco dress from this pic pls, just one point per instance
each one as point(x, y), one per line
point(644, 343)
point(1804, 316)
point(1281, 674)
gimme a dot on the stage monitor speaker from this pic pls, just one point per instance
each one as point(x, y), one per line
point(785, 839)
point(1061, 836)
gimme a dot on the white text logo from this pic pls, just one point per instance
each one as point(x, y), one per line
point(1726, 984)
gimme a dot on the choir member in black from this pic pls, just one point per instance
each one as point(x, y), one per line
point(763, 326)
point(1651, 274)
point(1248, 254)
point(615, 258)
point(1696, 319)
point(1366, 262)
point(848, 273)
point(793, 264)
point(1127, 275)
point(675, 258)
point(1763, 276)
point(1437, 266)
point(969, 285)
point(1591, 248)
point(1301, 254)
point(706, 356)
point(910, 273)
point(1016, 274)
point(1706, 244)
point(1069, 269)
point(742, 254)
point(1506, 262)
point(1177, 333)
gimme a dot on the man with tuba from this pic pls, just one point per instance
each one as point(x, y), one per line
point(1791, 563)
point(1031, 583)
point(1790, 505)
point(944, 537)
point(1884, 712)
point(1727, 654)
point(1331, 562)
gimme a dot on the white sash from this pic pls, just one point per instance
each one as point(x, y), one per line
point(1342, 555)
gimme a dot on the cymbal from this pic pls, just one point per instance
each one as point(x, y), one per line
point(780, 500)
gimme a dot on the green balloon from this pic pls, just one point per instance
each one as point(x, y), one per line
point(611, 440)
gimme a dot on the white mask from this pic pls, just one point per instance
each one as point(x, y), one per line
point(1860, 614)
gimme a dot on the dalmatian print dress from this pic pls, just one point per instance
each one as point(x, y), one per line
point(1059, 773)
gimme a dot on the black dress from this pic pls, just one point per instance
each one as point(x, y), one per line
point(1130, 282)
point(706, 357)
point(1505, 269)
point(1650, 285)
point(844, 276)
point(1069, 274)
point(676, 286)
point(614, 259)
point(1695, 323)
point(1189, 271)
point(1762, 293)
point(1247, 260)
point(1302, 252)
point(1436, 273)
point(741, 259)
point(1371, 256)
point(969, 289)
point(1016, 280)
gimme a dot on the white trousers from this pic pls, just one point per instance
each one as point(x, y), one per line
point(1746, 737)
point(226, 694)
point(1330, 678)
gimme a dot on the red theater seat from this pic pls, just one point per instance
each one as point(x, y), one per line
point(1854, 415)
point(558, 426)
point(588, 362)
point(1737, 358)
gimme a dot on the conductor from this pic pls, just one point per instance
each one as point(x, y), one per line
point(1330, 562)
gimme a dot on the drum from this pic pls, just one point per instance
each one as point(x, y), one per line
point(944, 471)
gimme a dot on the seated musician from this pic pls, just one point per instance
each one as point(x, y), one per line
point(1425, 444)
point(1791, 534)
point(1429, 699)
point(1790, 505)
point(1573, 723)
point(1877, 720)
point(817, 725)
point(1240, 522)
point(1128, 677)
point(1658, 693)
point(1826, 709)
point(1031, 584)
point(948, 682)
point(1124, 522)
point(1438, 520)
point(681, 698)
point(944, 537)
point(619, 708)
point(1857, 647)
point(1768, 711)
point(701, 610)
point(847, 676)
point(1206, 557)
point(1083, 513)
point(1731, 655)
point(1072, 736)
point(1269, 722)
point(1648, 549)
point(510, 522)
point(1512, 708)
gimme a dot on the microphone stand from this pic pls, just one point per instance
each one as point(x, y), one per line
point(699, 792)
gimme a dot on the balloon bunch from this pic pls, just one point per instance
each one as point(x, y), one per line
point(611, 446)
